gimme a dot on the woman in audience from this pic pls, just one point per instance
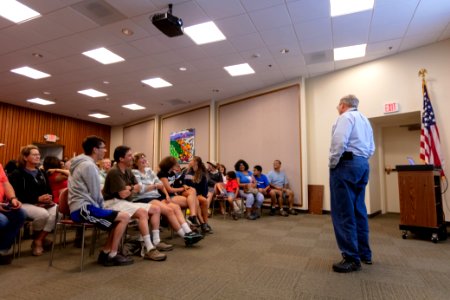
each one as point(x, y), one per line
point(104, 166)
point(12, 218)
point(197, 177)
point(152, 190)
point(247, 189)
point(214, 176)
point(184, 196)
point(33, 190)
point(57, 177)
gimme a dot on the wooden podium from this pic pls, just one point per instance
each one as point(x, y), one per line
point(420, 201)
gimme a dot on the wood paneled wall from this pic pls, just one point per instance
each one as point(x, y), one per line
point(22, 126)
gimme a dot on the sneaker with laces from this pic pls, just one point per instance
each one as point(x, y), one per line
point(251, 217)
point(284, 213)
point(192, 220)
point(118, 260)
point(192, 238)
point(155, 255)
point(347, 266)
point(164, 247)
point(293, 212)
point(204, 228)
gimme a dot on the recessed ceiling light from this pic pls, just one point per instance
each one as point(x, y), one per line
point(349, 52)
point(105, 82)
point(46, 93)
point(156, 82)
point(40, 101)
point(340, 7)
point(182, 69)
point(238, 70)
point(92, 93)
point(204, 33)
point(38, 55)
point(16, 11)
point(99, 116)
point(284, 51)
point(133, 106)
point(127, 31)
point(30, 72)
point(103, 55)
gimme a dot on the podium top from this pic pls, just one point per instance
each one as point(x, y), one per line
point(415, 168)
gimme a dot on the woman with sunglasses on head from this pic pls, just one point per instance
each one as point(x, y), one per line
point(33, 190)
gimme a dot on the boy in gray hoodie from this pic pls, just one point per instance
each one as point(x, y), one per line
point(86, 201)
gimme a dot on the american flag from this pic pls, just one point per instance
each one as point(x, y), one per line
point(430, 145)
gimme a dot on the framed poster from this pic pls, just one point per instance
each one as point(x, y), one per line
point(182, 145)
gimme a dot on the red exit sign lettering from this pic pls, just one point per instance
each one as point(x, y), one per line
point(391, 107)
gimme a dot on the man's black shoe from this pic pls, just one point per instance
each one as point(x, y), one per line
point(118, 260)
point(272, 212)
point(346, 266)
point(366, 261)
point(204, 228)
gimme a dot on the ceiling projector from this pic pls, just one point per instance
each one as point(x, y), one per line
point(168, 23)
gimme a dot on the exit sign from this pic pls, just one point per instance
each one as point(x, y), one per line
point(391, 107)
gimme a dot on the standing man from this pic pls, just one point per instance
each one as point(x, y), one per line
point(86, 201)
point(280, 188)
point(351, 146)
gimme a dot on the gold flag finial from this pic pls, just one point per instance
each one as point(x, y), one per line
point(422, 73)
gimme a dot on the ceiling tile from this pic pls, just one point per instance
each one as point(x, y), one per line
point(307, 10)
point(251, 5)
point(280, 35)
point(218, 9)
point(236, 26)
point(278, 16)
point(247, 42)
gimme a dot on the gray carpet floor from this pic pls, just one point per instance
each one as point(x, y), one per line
point(271, 258)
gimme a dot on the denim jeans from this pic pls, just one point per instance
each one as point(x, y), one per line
point(348, 182)
point(10, 224)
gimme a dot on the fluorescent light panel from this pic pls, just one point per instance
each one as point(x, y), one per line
point(30, 72)
point(17, 12)
point(99, 116)
point(103, 55)
point(156, 82)
point(204, 33)
point(350, 52)
point(345, 7)
point(92, 93)
point(238, 70)
point(133, 106)
point(41, 101)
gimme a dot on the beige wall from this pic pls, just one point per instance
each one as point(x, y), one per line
point(140, 137)
point(198, 119)
point(386, 80)
point(262, 128)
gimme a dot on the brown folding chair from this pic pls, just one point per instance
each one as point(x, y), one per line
point(63, 208)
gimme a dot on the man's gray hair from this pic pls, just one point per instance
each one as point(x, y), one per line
point(350, 100)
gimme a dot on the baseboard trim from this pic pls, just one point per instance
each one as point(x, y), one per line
point(374, 214)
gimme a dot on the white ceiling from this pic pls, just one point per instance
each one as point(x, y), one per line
point(256, 31)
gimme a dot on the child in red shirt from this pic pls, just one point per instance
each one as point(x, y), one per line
point(231, 190)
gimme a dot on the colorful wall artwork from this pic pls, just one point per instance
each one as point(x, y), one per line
point(182, 145)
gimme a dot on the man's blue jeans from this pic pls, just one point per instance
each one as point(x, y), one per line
point(10, 224)
point(348, 182)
